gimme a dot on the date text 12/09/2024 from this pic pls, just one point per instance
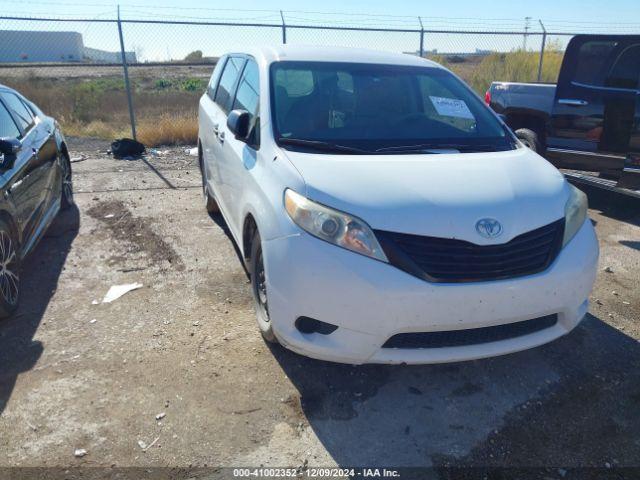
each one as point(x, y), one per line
point(315, 473)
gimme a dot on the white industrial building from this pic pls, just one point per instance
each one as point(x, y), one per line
point(20, 46)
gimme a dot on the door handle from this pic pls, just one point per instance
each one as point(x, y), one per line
point(216, 127)
point(573, 102)
point(221, 137)
point(35, 153)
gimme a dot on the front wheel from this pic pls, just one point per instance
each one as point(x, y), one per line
point(66, 194)
point(530, 139)
point(9, 271)
point(259, 289)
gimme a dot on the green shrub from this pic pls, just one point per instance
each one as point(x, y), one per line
point(162, 84)
point(193, 84)
point(101, 85)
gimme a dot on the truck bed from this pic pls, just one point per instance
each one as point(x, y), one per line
point(510, 98)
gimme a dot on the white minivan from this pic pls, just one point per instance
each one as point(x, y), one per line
point(385, 213)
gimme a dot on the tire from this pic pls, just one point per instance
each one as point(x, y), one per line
point(209, 202)
point(9, 271)
point(258, 288)
point(66, 187)
point(530, 139)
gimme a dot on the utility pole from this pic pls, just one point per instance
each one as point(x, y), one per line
point(284, 28)
point(527, 26)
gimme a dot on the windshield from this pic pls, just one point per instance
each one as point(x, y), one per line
point(379, 108)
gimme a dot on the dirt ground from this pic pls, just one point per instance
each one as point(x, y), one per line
point(175, 374)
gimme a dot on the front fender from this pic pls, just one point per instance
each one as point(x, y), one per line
point(59, 136)
point(264, 200)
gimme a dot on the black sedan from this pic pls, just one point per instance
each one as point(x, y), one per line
point(35, 184)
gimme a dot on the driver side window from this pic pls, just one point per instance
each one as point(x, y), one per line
point(8, 128)
point(247, 98)
point(20, 112)
point(215, 76)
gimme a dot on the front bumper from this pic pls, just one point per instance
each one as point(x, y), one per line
point(370, 301)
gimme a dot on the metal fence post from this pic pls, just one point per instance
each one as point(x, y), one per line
point(421, 37)
point(127, 85)
point(544, 42)
point(284, 28)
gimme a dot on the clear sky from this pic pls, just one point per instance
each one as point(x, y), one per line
point(158, 43)
point(571, 11)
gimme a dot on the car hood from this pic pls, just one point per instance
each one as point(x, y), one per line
point(441, 195)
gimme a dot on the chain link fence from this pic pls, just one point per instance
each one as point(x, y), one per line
point(74, 68)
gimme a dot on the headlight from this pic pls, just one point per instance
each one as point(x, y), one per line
point(333, 226)
point(575, 212)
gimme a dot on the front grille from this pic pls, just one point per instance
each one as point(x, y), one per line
point(438, 259)
point(471, 336)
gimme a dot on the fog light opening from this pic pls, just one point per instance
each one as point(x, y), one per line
point(311, 325)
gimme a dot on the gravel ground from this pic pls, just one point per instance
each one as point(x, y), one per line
point(77, 374)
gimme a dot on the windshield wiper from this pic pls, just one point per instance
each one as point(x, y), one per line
point(320, 145)
point(438, 146)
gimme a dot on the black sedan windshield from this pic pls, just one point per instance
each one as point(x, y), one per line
point(379, 108)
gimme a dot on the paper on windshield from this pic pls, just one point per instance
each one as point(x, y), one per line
point(451, 107)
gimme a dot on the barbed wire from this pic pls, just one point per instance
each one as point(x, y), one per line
point(319, 18)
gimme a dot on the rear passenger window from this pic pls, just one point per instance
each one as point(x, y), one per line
point(215, 76)
point(625, 72)
point(8, 128)
point(224, 93)
point(593, 59)
point(21, 113)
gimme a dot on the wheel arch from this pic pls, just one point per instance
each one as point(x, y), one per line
point(249, 228)
point(10, 220)
point(65, 150)
point(522, 118)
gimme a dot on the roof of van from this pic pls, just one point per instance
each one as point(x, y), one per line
point(337, 54)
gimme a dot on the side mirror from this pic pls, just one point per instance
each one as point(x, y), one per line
point(9, 148)
point(238, 124)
